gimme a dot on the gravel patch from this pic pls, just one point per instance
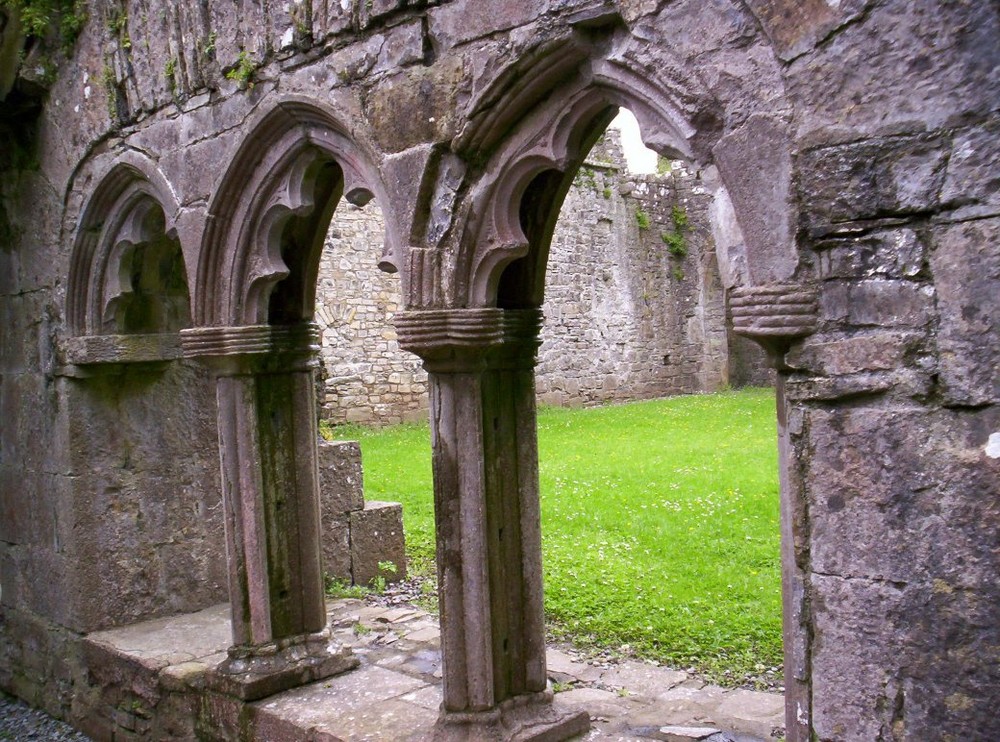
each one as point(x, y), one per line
point(18, 721)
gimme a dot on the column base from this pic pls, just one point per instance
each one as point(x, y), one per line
point(528, 718)
point(254, 672)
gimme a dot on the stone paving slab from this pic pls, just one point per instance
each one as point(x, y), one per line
point(364, 704)
point(396, 692)
point(643, 675)
point(564, 669)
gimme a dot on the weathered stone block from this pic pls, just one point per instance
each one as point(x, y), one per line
point(855, 656)
point(371, 11)
point(900, 477)
point(871, 179)
point(336, 19)
point(972, 179)
point(341, 479)
point(402, 45)
point(966, 268)
point(336, 544)
point(795, 27)
point(465, 20)
point(897, 253)
point(886, 73)
point(877, 303)
point(377, 536)
point(877, 653)
point(428, 94)
point(878, 351)
point(26, 343)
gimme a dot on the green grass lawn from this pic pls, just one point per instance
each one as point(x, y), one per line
point(659, 521)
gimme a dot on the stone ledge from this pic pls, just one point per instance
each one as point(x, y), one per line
point(150, 679)
point(88, 350)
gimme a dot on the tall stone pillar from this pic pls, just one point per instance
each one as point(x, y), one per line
point(774, 315)
point(485, 461)
point(270, 494)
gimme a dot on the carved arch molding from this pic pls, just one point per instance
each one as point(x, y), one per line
point(267, 221)
point(128, 291)
point(473, 288)
point(258, 248)
point(528, 133)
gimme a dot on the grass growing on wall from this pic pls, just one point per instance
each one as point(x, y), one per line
point(660, 525)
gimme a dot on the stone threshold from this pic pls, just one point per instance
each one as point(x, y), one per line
point(152, 681)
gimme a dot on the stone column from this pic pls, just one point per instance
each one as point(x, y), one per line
point(270, 492)
point(485, 461)
point(774, 316)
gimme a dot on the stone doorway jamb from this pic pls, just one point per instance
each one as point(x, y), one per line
point(774, 315)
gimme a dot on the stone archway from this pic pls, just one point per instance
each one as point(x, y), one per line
point(127, 299)
point(132, 211)
point(871, 129)
point(480, 351)
point(255, 300)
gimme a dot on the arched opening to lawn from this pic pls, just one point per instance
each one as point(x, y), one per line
point(257, 330)
point(475, 320)
point(660, 518)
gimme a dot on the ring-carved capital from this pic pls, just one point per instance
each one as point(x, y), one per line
point(773, 315)
point(773, 311)
point(471, 339)
point(254, 348)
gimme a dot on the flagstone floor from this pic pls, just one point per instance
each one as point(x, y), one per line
point(396, 692)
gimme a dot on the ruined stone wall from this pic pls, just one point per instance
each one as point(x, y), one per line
point(622, 313)
point(625, 318)
point(853, 146)
point(365, 377)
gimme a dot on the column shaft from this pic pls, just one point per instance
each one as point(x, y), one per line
point(485, 458)
point(243, 510)
point(270, 489)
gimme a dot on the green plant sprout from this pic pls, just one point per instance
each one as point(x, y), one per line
point(242, 70)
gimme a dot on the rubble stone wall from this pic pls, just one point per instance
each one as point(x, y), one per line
point(365, 376)
point(625, 317)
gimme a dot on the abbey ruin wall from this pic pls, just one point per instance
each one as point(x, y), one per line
point(634, 305)
point(193, 149)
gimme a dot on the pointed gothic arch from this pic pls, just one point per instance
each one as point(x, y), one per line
point(266, 222)
point(127, 271)
point(255, 299)
point(530, 131)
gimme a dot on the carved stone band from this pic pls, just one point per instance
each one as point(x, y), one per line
point(469, 334)
point(424, 330)
point(250, 339)
point(230, 349)
point(773, 311)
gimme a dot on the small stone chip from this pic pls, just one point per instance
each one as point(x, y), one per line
point(993, 446)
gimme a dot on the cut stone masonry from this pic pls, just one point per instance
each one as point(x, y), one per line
point(357, 535)
point(155, 151)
